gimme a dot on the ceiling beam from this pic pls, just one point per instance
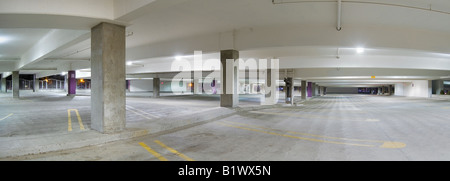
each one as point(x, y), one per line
point(55, 40)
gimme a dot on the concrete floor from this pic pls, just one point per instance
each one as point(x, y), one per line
point(333, 127)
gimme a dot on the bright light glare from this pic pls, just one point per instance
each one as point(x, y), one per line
point(359, 50)
point(3, 39)
point(177, 57)
point(129, 63)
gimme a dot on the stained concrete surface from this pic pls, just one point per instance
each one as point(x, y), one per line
point(333, 127)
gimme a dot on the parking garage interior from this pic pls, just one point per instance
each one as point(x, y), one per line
point(213, 80)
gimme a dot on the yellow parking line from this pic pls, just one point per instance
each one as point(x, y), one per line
point(154, 153)
point(174, 151)
point(69, 128)
point(6, 117)
point(80, 122)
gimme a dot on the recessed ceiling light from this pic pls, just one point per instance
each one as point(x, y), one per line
point(3, 39)
point(360, 50)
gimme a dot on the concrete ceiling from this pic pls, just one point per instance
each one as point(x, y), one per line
point(407, 35)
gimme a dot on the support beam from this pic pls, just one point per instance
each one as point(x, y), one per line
point(303, 90)
point(289, 89)
point(229, 74)
point(390, 90)
point(15, 84)
point(35, 83)
point(156, 87)
point(108, 78)
point(66, 83)
point(197, 87)
point(309, 89)
point(313, 89)
point(72, 83)
point(3, 84)
point(55, 40)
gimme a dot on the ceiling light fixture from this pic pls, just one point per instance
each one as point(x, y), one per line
point(3, 39)
point(129, 63)
point(360, 50)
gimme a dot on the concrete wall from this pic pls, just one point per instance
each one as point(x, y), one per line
point(141, 85)
point(417, 88)
point(399, 89)
point(342, 90)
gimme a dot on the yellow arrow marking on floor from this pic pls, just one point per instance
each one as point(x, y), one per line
point(69, 128)
point(6, 117)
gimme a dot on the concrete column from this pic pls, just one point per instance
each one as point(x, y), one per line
point(15, 84)
point(390, 90)
point(229, 74)
point(35, 86)
point(324, 90)
point(156, 87)
point(197, 86)
point(3, 83)
point(313, 89)
point(72, 83)
point(309, 89)
point(108, 78)
point(379, 90)
point(321, 90)
point(66, 83)
point(303, 90)
point(289, 89)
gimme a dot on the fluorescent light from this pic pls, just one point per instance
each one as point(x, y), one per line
point(3, 39)
point(129, 63)
point(360, 50)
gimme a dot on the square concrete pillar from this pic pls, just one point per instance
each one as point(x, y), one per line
point(72, 83)
point(289, 89)
point(15, 84)
point(321, 90)
point(3, 84)
point(197, 86)
point(303, 90)
point(108, 78)
point(35, 83)
point(229, 75)
point(309, 89)
point(66, 83)
point(156, 87)
point(313, 89)
point(390, 90)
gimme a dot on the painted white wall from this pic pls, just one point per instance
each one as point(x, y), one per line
point(399, 89)
point(141, 85)
point(417, 88)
